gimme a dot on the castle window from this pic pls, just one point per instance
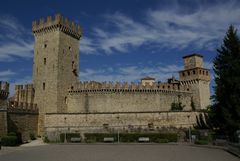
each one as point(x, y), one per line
point(168, 87)
point(194, 72)
point(44, 86)
point(200, 72)
point(206, 72)
point(44, 61)
point(45, 46)
point(183, 74)
point(70, 48)
point(203, 72)
point(163, 87)
point(65, 99)
point(188, 73)
point(72, 64)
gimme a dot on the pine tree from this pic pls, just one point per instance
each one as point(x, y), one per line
point(226, 109)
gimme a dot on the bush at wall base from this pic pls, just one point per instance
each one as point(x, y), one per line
point(9, 140)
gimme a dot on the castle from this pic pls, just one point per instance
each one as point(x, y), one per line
point(67, 105)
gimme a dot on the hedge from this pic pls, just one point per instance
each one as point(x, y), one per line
point(201, 142)
point(132, 137)
point(69, 136)
point(9, 140)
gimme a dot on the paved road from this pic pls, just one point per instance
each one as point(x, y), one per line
point(108, 152)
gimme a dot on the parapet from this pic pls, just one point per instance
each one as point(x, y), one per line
point(57, 22)
point(4, 90)
point(93, 86)
point(24, 94)
point(17, 107)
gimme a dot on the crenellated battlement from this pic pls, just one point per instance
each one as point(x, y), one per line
point(22, 107)
point(24, 96)
point(57, 22)
point(93, 86)
point(4, 90)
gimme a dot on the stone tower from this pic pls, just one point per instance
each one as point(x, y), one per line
point(56, 63)
point(196, 79)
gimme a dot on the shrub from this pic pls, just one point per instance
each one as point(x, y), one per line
point(98, 137)
point(177, 106)
point(68, 136)
point(161, 140)
point(46, 140)
point(32, 136)
point(12, 134)
point(201, 142)
point(9, 140)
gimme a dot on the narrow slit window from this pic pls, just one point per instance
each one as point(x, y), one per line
point(72, 64)
point(44, 61)
point(44, 85)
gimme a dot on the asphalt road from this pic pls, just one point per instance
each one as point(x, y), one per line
point(109, 152)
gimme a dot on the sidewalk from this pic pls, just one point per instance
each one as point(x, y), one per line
point(37, 142)
point(7, 149)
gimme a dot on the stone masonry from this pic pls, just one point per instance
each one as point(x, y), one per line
point(4, 91)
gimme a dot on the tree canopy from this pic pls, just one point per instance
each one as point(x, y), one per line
point(225, 112)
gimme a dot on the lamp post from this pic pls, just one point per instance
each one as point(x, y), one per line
point(189, 130)
point(118, 129)
point(65, 136)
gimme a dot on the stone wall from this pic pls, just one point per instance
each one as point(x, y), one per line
point(3, 122)
point(105, 122)
point(126, 101)
point(4, 91)
point(23, 122)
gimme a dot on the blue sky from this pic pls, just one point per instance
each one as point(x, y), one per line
point(122, 40)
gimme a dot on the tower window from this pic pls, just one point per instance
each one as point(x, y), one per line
point(194, 72)
point(70, 48)
point(44, 61)
point(72, 64)
point(188, 73)
point(203, 72)
point(200, 72)
point(183, 74)
point(44, 86)
point(206, 72)
point(45, 46)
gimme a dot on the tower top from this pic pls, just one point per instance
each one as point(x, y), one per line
point(193, 61)
point(57, 22)
point(192, 55)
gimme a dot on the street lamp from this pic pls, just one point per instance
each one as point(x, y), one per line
point(65, 136)
point(189, 130)
point(118, 129)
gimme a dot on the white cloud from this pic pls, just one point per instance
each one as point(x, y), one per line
point(171, 28)
point(129, 73)
point(14, 39)
point(6, 73)
point(87, 46)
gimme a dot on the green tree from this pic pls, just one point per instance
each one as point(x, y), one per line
point(225, 112)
